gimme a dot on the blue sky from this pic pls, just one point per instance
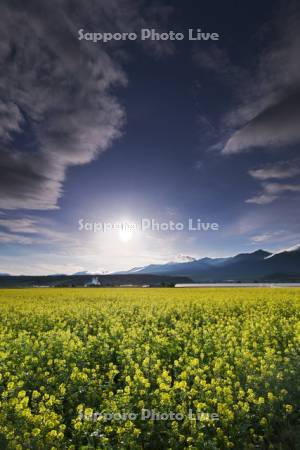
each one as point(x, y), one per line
point(163, 130)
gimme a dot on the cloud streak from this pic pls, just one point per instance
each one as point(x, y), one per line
point(272, 191)
point(268, 112)
point(33, 230)
point(276, 126)
point(279, 170)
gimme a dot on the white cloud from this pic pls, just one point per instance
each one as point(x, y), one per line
point(8, 238)
point(267, 236)
point(23, 225)
point(279, 170)
point(271, 192)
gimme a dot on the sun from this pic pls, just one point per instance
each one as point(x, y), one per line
point(125, 235)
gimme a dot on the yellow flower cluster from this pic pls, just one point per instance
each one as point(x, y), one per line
point(78, 367)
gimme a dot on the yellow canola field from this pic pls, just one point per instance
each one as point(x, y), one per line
point(153, 369)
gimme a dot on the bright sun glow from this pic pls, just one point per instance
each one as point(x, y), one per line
point(125, 235)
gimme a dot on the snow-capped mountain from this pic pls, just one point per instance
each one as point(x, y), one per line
point(242, 267)
point(295, 248)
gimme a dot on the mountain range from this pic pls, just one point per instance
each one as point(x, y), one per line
point(258, 266)
point(245, 267)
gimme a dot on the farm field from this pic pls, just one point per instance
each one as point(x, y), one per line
point(150, 369)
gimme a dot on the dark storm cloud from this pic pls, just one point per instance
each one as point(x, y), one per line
point(60, 90)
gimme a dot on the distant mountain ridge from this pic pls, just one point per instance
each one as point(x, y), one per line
point(258, 266)
point(254, 266)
